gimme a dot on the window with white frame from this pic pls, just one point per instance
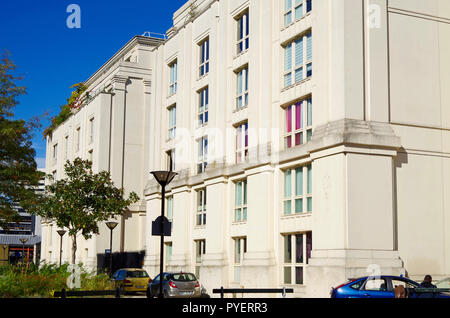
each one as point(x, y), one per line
point(168, 253)
point(171, 160)
point(298, 190)
point(242, 142)
point(91, 130)
point(66, 147)
point(173, 78)
point(203, 106)
point(77, 139)
point(298, 60)
point(298, 123)
point(242, 88)
point(240, 247)
point(243, 33)
point(170, 208)
point(200, 250)
point(296, 255)
point(172, 121)
point(240, 201)
point(55, 153)
point(202, 155)
point(294, 10)
point(200, 215)
point(204, 57)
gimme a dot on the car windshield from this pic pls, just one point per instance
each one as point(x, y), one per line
point(184, 277)
point(137, 274)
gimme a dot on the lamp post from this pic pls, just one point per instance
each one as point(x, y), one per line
point(163, 178)
point(23, 240)
point(111, 225)
point(4, 254)
point(61, 234)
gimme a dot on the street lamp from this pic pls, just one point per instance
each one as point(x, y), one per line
point(163, 178)
point(111, 225)
point(4, 254)
point(61, 234)
point(23, 240)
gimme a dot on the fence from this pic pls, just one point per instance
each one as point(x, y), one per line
point(223, 291)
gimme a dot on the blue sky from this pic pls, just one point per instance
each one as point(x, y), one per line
point(52, 57)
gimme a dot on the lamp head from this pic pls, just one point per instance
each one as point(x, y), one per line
point(23, 240)
point(61, 232)
point(164, 177)
point(111, 225)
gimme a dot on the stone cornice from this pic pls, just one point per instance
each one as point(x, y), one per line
point(346, 135)
point(136, 40)
point(355, 133)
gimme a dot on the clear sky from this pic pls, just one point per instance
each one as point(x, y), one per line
point(52, 57)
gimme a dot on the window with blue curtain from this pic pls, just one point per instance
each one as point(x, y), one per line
point(173, 78)
point(243, 33)
point(204, 57)
point(203, 106)
point(295, 59)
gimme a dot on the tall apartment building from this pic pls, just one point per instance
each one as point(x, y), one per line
point(311, 141)
point(112, 131)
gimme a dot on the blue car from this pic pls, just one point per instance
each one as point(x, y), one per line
point(379, 287)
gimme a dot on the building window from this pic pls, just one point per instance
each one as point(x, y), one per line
point(168, 253)
point(170, 208)
point(240, 201)
point(296, 255)
point(294, 10)
point(298, 60)
point(202, 155)
point(172, 121)
point(298, 123)
point(200, 217)
point(173, 78)
point(91, 130)
point(203, 106)
point(240, 247)
point(77, 139)
point(171, 160)
point(66, 147)
point(242, 88)
point(200, 249)
point(242, 143)
point(242, 33)
point(204, 57)
point(55, 153)
point(296, 199)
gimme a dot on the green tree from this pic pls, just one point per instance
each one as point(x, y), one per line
point(82, 200)
point(18, 170)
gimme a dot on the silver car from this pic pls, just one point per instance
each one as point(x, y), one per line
point(175, 285)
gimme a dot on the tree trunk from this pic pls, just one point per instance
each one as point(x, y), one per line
point(74, 247)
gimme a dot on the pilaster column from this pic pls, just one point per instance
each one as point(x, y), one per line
point(353, 220)
point(214, 267)
point(258, 268)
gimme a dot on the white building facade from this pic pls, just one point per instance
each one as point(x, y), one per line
point(311, 141)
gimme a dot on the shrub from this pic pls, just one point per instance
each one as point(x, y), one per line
point(42, 281)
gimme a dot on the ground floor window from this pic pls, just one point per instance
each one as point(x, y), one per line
point(296, 254)
point(200, 249)
point(240, 247)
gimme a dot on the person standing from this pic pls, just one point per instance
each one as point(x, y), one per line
point(427, 283)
